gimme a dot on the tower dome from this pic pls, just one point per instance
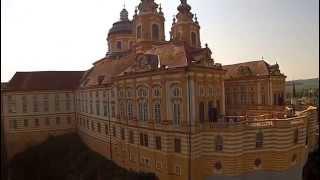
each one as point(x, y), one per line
point(121, 37)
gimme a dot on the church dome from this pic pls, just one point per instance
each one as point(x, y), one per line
point(124, 26)
point(121, 27)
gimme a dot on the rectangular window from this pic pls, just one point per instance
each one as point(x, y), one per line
point(178, 171)
point(131, 137)
point(158, 165)
point(58, 120)
point(263, 99)
point(57, 103)
point(177, 145)
point(99, 127)
point(130, 112)
point(158, 142)
point(122, 134)
point(146, 141)
point(45, 103)
point(141, 139)
point(24, 104)
point(176, 114)
point(91, 107)
point(98, 107)
point(69, 120)
point(131, 157)
point(114, 131)
point(47, 121)
point(106, 129)
point(113, 110)
point(12, 104)
point(26, 123)
point(35, 103)
point(68, 102)
point(92, 125)
point(86, 103)
point(36, 122)
point(13, 124)
point(105, 109)
point(157, 112)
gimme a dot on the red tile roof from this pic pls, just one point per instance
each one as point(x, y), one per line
point(258, 68)
point(45, 80)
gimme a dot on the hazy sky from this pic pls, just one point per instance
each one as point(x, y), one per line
point(41, 35)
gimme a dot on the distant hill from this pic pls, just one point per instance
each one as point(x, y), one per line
point(303, 84)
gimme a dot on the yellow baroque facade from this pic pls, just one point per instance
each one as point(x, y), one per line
point(167, 107)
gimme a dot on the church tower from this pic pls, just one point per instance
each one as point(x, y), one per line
point(185, 26)
point(149, 22)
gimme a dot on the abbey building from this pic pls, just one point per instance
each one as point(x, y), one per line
point(167, 107)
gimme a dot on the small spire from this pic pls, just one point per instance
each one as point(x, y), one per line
point(174, 19)
point(262, 58)
point(206, 45)
point(196, 18)
point(124, 4)
point(160, 10)
point(136, 11)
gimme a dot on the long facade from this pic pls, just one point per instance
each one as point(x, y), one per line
point(167, 107)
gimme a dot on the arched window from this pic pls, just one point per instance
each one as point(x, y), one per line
point(296, 136)
point(129, 110)
point(193, 39)
point(142, 92)
point(218, 108)
point(212, 112)
point(219, 143)
point(176, 104)
point(155, 32)
point(139, 32)
point(259, 139)
point(201, 112)
point(119, 45)
point(157, 112)
point(176, 92)
point(143, 104)
point(122, 109)
point(143, 110)
point(157, 92)
point(210, 91)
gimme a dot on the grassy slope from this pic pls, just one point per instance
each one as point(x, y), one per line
point(67, 158)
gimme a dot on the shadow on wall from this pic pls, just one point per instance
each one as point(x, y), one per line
point(311, 170)
point(67, 158)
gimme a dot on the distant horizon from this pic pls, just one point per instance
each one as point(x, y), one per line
point(45, 36)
